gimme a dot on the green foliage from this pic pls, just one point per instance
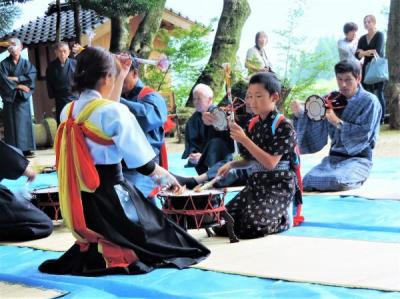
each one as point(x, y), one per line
point(8, 14)
point(385, 12)
point(302, 69)
point(186, 50)
point(119, 8)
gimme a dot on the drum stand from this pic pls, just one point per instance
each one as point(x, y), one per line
point(44, 199)
point(181, 213)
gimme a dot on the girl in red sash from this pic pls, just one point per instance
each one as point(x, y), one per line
point(117, 230)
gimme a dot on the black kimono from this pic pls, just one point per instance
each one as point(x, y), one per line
point(59, 80)
point(17, 117)
point(19, 219)
point(213, 145)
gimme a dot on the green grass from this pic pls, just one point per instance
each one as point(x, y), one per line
point(385, 130)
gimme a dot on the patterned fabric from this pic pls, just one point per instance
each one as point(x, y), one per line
point(262, 206)
point(337, 174)
point(351, 145)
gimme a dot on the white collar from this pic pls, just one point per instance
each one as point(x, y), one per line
point(89, 94)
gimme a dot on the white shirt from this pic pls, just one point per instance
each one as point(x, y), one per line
point(117, 122)
point(258, 58)
point(347, 49)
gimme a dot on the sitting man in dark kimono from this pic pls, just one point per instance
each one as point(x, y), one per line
point(19, 219)
point(150, 110)
point(59, 76)
point(17, 82)
point(353, 132)
point(204, 145)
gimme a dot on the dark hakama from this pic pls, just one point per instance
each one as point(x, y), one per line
point(123, 216)
point(19, 219)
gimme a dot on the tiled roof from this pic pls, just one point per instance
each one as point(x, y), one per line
point(182, 16)
point(43, 29)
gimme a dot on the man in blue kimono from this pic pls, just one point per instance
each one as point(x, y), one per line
point(19, 219)
point(17, 82)
point(204, 145)
point(59, 76)
point(353, 133)
point(151, 111)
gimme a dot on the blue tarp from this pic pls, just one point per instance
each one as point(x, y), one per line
point(384, 168)
point(326, 216)
point(19, 265)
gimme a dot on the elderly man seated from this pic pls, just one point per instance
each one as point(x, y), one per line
point(204, 145)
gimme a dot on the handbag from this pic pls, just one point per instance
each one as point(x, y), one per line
point(377, 71)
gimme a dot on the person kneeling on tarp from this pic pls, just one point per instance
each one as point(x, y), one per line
point(20, 220)
point(353, 131)
point(117, 230)
point(269, 144)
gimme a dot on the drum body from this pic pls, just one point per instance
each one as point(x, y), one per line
point(47, 200)
point(194, 210)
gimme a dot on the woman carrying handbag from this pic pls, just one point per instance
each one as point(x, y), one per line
point(370, 45)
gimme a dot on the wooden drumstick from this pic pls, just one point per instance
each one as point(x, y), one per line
point(207, 185)
point(5, 43)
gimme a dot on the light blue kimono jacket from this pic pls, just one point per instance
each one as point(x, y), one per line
point(350, 159)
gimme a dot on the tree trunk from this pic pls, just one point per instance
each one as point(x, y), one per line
point(116, 35)
point(142, 42)
point(393, 55)
point(226, 43)
point(77, 23)
point(58, 21)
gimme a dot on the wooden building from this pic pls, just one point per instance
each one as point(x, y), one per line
point(39, 36)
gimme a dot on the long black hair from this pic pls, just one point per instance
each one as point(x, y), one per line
point(93, 63)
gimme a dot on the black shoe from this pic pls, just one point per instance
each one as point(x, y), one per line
point(29, 154)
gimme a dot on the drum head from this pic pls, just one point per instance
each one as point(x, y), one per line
point(315, 108)
point(220, 123)
point(47, 190)
point(192, 193)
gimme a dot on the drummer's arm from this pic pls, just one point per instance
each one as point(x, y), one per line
point(331, 116)
point(267, 160)
point(30, 173)
point(208, 118)
point(237, 164)
point(297, 108)
point(241, 164)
